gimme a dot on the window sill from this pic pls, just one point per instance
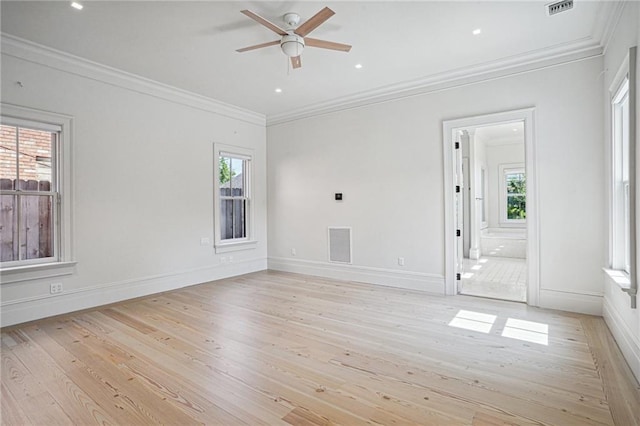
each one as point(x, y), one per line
point(619, 277)
point(34, 272)
point(514, 224)
point(235, 246)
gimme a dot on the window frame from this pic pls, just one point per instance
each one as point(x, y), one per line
point(504, 170)
point(62, 262)
point(248, 241)
point(621, 208)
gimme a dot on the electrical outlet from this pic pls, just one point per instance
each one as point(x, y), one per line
point(293, 252)
point(223, 259)
point(230, 259)
point(55, 288)
point(204, 241)
point(401, 261)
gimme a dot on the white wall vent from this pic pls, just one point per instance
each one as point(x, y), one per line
point(559, 6)
point(340, 244)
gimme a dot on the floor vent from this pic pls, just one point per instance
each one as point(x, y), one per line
point(340, 244)
point(560, 6)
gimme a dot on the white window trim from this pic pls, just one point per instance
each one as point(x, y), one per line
point(616, 261)
point(626, 281)
point(502, 170)
point(249, 242)
point(620, 186)
point(63, 264)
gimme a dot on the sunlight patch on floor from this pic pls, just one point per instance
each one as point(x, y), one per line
point(527, 331)
point(474, 321)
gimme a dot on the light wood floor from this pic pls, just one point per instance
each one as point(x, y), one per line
point(274, 348)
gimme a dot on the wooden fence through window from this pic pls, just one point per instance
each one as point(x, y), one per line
point(31, 236)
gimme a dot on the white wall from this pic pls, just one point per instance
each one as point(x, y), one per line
point(387, 159)
point(496, 156)
point(623, 321)
point(143, 179)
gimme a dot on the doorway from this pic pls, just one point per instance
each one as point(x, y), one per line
point(491, 228)
point(493, 196)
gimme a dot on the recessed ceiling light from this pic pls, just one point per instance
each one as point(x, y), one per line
point(515, 130)
point(477, 31)
point(76, 5)
point(358, 66)
point(278, 90)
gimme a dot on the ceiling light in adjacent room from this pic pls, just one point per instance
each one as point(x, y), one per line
point(278, 90)
point(476, 31)
point(77, 5)
point(358, 66)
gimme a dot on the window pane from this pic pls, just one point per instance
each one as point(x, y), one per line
point(516, 207)
point(226, 219)
point(8, 224)
point(225, 176)
point(8, 153)
point(36, 226)
point(516, 183)
point(624, 132)
point(233, 219)
point(237, 177)
point(35, 154)
point(626, 231)
point(31, 237)
point(239, 213)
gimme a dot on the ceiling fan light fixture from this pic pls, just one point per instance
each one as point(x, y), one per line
point(292, 45)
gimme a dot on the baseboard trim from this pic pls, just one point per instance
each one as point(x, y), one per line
point(628, 343)
point(43, 306)
point(581, 303)
point(429, 283)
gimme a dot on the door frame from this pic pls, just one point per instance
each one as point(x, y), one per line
point(450, 127)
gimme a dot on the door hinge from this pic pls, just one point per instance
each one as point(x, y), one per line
point(457, 188)
point(457, 145)
point(458, 277)
point(457, 232)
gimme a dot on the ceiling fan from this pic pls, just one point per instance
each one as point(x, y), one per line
point(294, 38)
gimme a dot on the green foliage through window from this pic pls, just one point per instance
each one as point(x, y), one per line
point(516, 196)
point(225, 170)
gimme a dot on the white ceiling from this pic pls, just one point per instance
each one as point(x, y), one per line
point(501, 134)
point(191, 45)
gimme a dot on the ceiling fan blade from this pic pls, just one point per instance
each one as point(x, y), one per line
point(259, 46)
point(324, 44)
point(296, 62)
point(314, 22)
point(259, 19)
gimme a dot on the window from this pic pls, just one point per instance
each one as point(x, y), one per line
point(621, 208)
point(34, 212)
point(233, 218)
point(513, 194)
point(29, 199)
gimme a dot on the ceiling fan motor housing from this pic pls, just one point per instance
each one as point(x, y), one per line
point(292, 45)
point(291, 19)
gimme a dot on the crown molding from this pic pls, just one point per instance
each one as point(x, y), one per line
point(581, 49)
point(36, 53)
point(606, 28)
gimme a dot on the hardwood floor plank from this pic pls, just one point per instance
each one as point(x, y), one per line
point(11, 412)
point(621, 390)
point(50, 377)
point(275, 348)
